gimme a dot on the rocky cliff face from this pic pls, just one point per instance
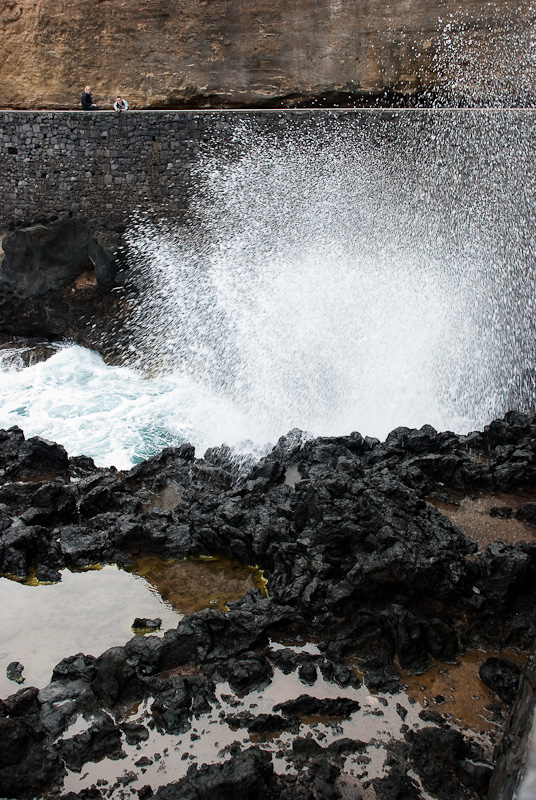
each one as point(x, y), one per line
point(160, 53)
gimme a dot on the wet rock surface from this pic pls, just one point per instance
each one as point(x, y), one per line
point(502, 676)
point(357, 560)
point(14, 671)
point(61, 278)
point(16, 353)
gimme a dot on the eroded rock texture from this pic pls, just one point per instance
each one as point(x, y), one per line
point(353, 541)
point(223, 53)
point(357, 558)
point(57, 277)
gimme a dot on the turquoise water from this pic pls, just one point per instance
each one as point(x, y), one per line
point(112, 414)
point(119, 417)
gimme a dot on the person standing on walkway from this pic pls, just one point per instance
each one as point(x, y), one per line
point(87, 101)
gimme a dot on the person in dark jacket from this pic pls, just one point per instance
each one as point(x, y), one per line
point(87, 102)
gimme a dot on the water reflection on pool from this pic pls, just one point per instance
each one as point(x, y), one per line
point(93, 610)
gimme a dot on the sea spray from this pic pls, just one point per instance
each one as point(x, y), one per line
point(113, 414)
point(355, 271)
point(359, 272)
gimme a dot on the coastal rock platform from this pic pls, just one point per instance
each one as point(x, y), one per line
point(362, 561)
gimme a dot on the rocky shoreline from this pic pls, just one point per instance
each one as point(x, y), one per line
point(358, 560)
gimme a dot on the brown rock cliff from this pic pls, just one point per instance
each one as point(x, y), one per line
point(231, 53)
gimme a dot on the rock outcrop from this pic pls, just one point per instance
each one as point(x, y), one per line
point(234, 54)
point(39, 257)
point(57, 280)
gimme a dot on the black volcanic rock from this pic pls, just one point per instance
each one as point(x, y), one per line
point(445, 764)
point(502, 676)
point(249, 775)
point(103, 738)
point(141, 624)
point(305, 706)
point(356, 560)
point(28, 458)
point(50, 255)
point(27, 762)
point(262, 723)
point(61, 278)
point(527, 513)
point(73, 668)
point(249, 672)
point(14, 671)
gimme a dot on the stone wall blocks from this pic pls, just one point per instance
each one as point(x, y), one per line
point(149, 152)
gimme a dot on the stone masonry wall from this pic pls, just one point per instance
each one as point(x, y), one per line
point(93, 162)
point(108, 165)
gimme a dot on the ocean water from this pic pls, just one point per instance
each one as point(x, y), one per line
point(112, 414)
point(119, 417)
point(353, 273)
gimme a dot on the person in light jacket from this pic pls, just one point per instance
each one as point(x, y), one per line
point(120, 104)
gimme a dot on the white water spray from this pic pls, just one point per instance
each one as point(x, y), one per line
point(354, 272)
point(349, 275)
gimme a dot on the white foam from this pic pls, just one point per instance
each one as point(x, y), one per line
point(350, 279)
point(112, 414)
